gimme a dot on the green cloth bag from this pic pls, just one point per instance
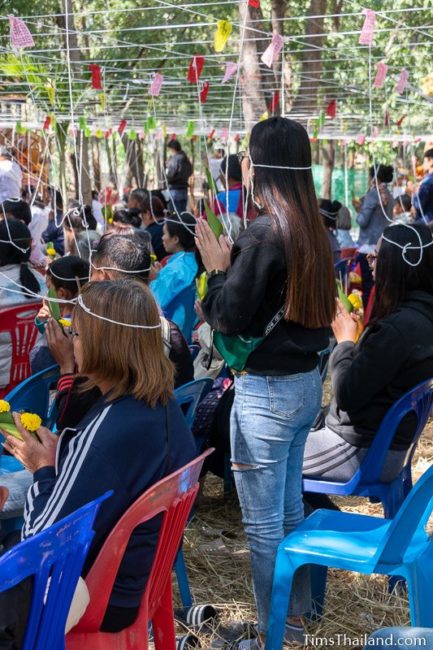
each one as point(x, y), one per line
point(235, 350)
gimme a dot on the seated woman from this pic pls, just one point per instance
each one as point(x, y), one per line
point(80, 231)
point(329, 211)
point(393, 355)
point(66, 276)
point(18, 283)
point(133, 436)
point(174, 286)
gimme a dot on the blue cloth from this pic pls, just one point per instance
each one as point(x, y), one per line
point(174, 279)
point(120, 446)
point(234, 200)
point(345, 239)
point(270, 421)
point(424, 196)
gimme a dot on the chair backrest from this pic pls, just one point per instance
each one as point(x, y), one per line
point(409, 521)
point(4, 494)
point(417, 400)
point(174, 496)
point(191, 395)
point(33, 395)
point(56, 554)
point(19, 322)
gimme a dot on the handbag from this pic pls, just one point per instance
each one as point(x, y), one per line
point(235, 350)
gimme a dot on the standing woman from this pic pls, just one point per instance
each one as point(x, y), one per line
point(283, 261)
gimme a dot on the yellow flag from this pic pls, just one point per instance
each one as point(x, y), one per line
point(99, 134)
point(51, 92)
point(264, 116)
point(224, 29)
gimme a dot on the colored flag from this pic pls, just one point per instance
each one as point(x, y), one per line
point(195, 69)
point(156, 83)
point(367, 33)
point(20, 35)
point(273, 50)
point(222, 34)
point(95, 71)
point(230, 70)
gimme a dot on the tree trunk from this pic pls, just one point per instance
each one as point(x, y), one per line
point(253, 98)
point(96, 163)
point(311, 66)
point(70, 31)
point(278, 12)
point(328, 153)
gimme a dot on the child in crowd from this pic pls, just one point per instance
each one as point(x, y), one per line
point(329, 211)
point(402, 209)
point(66, 276)
point(344, 225)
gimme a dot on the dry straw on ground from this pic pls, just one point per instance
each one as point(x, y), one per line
point(217, 557)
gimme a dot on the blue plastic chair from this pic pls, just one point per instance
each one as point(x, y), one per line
point(366, 480)
point(57, 553)
point(328, 538)
point(190, 396)
point(33, 394)
point(394, 638)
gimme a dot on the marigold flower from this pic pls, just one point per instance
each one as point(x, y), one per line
point(5, 407)
point(31, 421)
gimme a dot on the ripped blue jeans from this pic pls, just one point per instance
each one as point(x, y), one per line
point(270, 421)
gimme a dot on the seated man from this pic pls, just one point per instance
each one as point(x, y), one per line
point(116, 257)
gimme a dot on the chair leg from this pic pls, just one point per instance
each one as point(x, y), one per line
point(182, 580)
point(164, 636)
point(282, 586)
point(318, 576)
point(420, 580)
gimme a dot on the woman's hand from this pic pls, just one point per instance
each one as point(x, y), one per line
point(31, 452)
point(154, 271)
point(215, 253)
point(44, 312)
point(345, 325)
point(61, 346)
point(199, 310)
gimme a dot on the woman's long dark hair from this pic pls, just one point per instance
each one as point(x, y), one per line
point(9, 254)
point(395, 277)
point(183, 227)
point(289, 198)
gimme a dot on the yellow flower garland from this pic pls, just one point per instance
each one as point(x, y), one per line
point(5, 407)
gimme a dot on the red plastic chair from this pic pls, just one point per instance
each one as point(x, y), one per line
point(174, 496)
point(19, 322)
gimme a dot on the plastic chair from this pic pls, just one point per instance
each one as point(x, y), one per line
point(190, 395)
point(173, 496)
point(398, 547)
point(57, 553)
point(33, 395)
point(392, 638)
point(366, 480)
point(19, 323)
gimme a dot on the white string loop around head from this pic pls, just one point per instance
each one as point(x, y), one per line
point(410, 247)
point(63, 279)
point(80, 303)
point(117, 269)
point(280, 167)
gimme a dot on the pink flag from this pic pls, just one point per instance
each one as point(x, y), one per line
point(402, 81)
point(376, 132)
point(367, 32)
point(155, 86)
point(230, 70)
point(382, 69)
point(224, 133)
point(360, 139)
point(19, 33)
point(273, 50)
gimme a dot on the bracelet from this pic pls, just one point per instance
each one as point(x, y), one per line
point(214, 272)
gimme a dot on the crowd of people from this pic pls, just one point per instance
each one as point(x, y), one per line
point(127, 287)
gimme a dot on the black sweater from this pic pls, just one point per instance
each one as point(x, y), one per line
point(393, 356)
point(244, 300)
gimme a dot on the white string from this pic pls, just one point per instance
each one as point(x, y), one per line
point(80, 303)
point(410, 247)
